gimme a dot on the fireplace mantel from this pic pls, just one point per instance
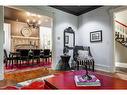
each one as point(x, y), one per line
point(24, 42)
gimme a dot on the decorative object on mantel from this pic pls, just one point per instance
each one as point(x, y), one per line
point(26, 31)
point(22, 42)
point(96, 36)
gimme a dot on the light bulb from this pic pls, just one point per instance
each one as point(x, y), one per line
point(33, 20)
point(38, 16)
point(34, 15)
point(28, 14)
point(28, 20)
point(39, 22)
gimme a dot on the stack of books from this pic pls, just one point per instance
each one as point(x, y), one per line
point(80, 81)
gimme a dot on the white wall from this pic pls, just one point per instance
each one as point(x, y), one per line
point(120, 53)
point(62, 20)
point(1, 44)
point(7, 38)
point(121, 16)
point(98, 19)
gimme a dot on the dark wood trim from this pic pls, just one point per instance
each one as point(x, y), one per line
point(72, 32)
point(120, 23)
point(49, 85)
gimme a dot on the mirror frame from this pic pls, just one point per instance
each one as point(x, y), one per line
point(69, 30)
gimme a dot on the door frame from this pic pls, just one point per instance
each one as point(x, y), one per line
point(112, 11)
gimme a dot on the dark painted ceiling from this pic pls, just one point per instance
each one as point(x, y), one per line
point(76, 10)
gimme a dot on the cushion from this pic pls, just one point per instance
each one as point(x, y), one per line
point(83, 54)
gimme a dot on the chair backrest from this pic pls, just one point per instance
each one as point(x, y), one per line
point(23, 52)
point(76, 48)
point(46, 52)
point(36, 52)
point(5, 54)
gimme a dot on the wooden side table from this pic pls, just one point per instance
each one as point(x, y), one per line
point(65, 62)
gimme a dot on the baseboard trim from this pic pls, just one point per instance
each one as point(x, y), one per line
point(1, 77)
point(118, 64)
point(104, 68)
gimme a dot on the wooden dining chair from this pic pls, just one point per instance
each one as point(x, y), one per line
point(9, 60)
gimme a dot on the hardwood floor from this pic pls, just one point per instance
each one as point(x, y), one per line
point(15, 77)
point(121, 69)
point(20, 76)
point(121, 72)
point(28, 74)
point(120, 75)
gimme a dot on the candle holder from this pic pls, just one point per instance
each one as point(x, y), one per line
point(86, 76)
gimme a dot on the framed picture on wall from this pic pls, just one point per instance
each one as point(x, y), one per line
point(96, 36)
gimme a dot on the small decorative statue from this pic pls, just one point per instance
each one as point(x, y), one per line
point(87, 76)
point(65, 50)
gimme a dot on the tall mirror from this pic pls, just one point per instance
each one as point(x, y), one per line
point(69, 38)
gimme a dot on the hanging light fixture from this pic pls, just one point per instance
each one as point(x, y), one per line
point(33, 20)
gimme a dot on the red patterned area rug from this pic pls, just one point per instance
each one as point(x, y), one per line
point(27, 67)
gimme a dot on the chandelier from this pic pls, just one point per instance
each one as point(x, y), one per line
point(33, 20)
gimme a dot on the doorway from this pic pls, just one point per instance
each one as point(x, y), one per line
point(26, 33)
point(120, 29)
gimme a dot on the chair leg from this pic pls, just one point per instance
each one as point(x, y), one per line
point(12, 64)
point(77, 65)
point(43, 61)
point(20, 62)
point(36, 61)
point(9, 63)
point(93, 66)
point(27, 62)
point(6, 63)
point(89, 67)
point(39, 61)
point(32, 61)
point(17, 63)
point(46, 60)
